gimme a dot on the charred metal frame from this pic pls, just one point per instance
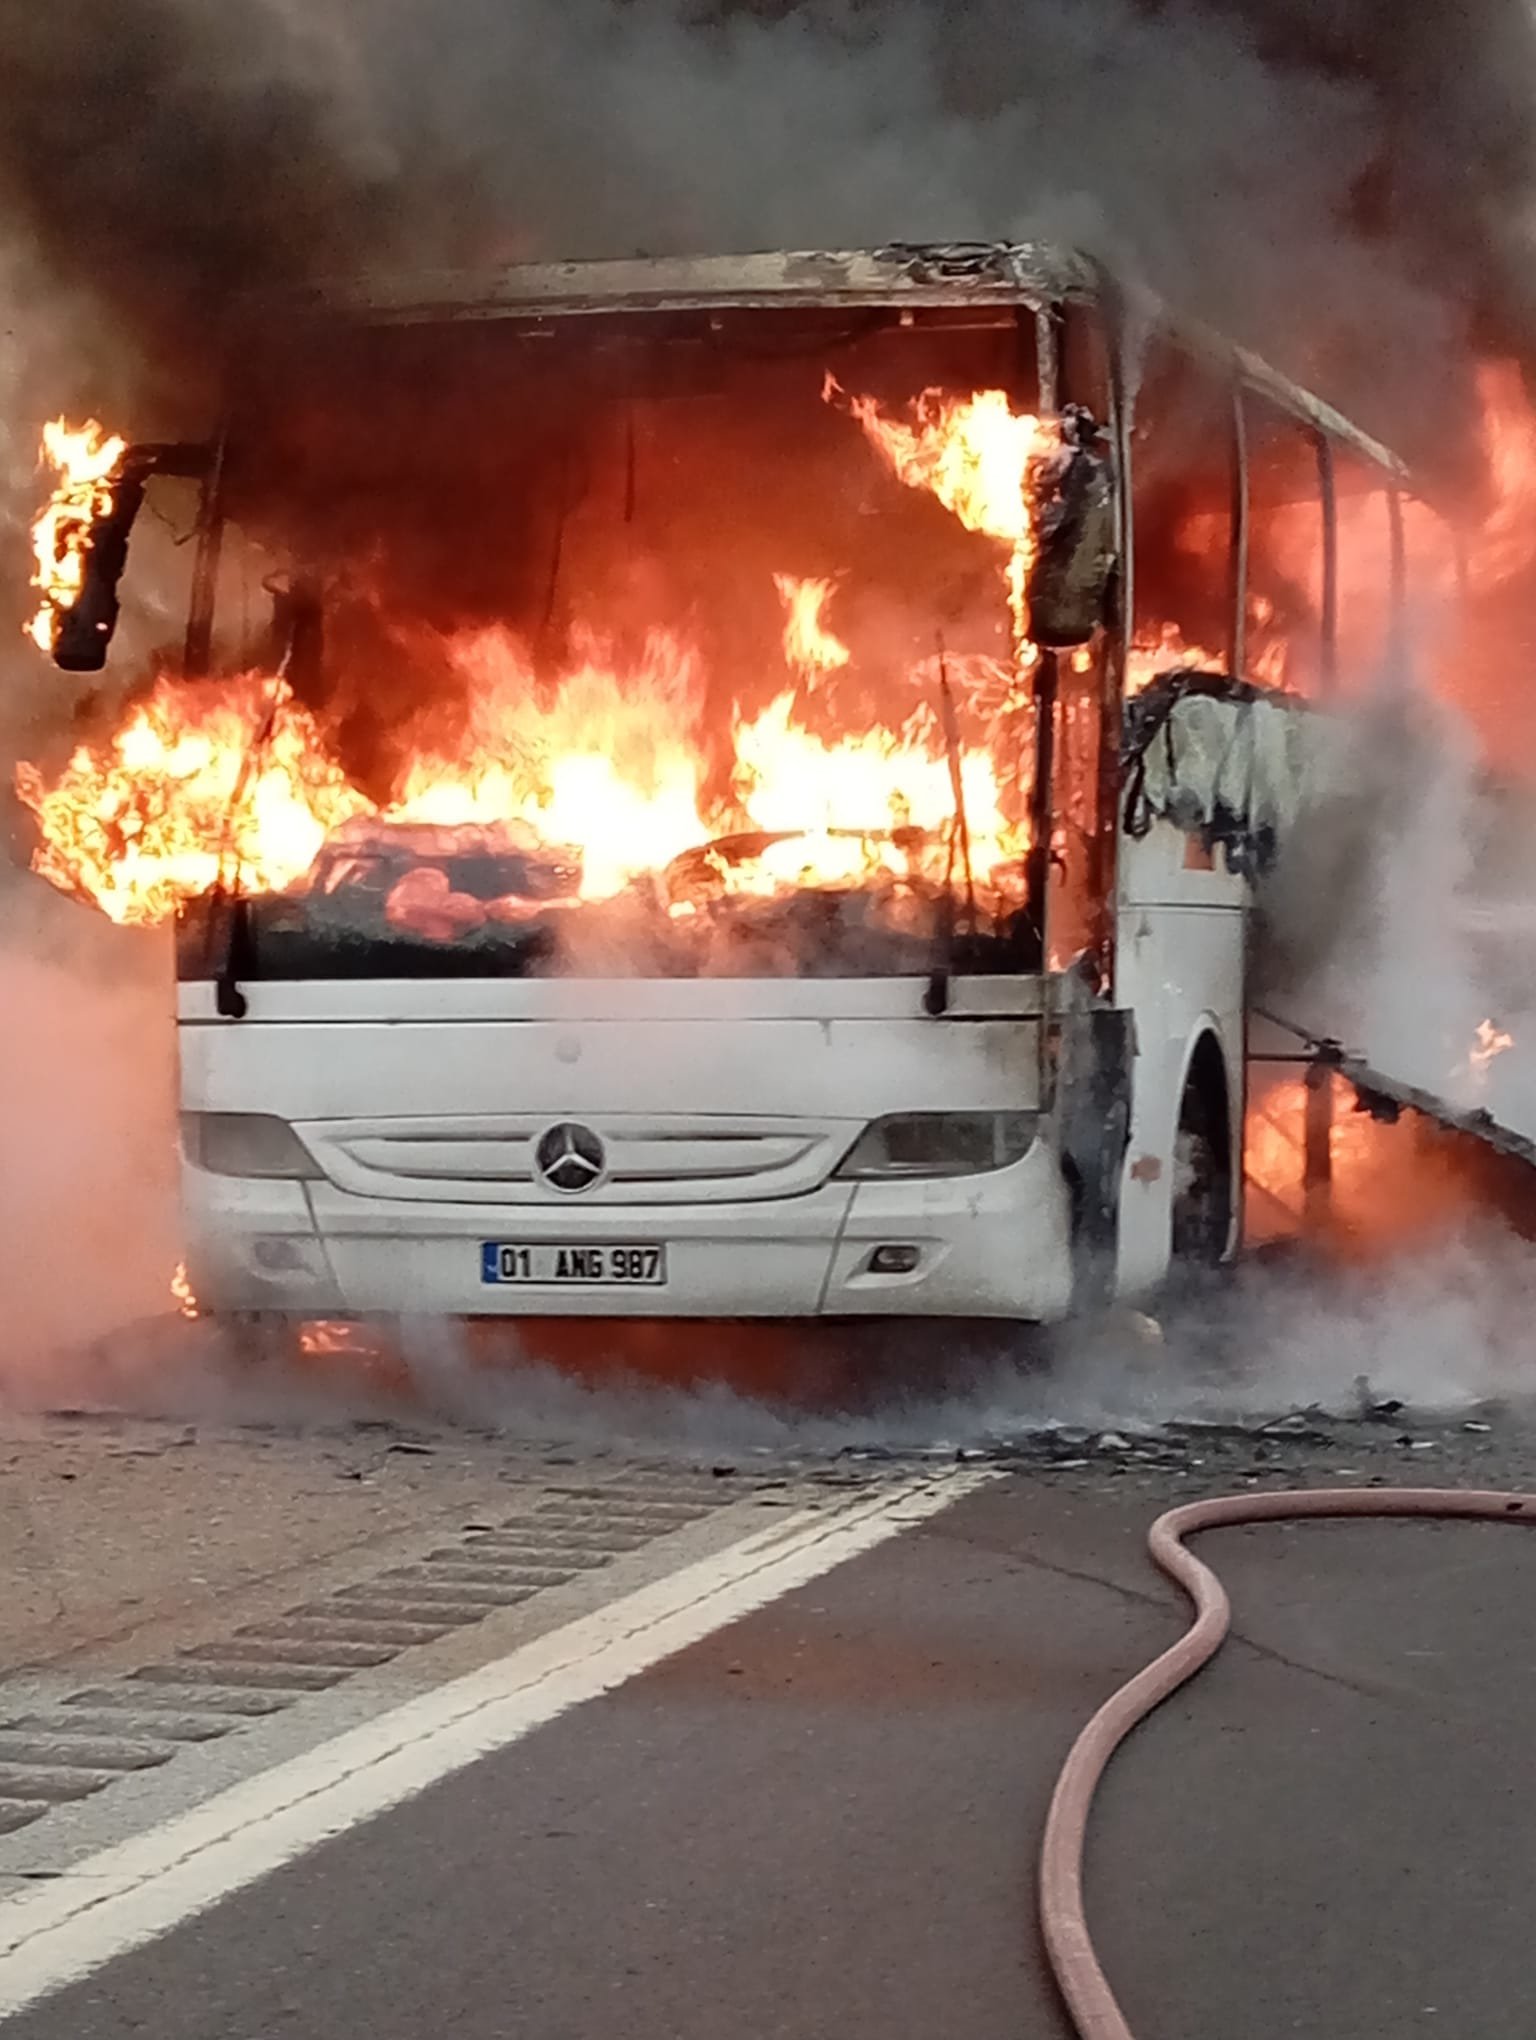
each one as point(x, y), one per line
point(1238, 569)
point(1328, 669)
point(1045, 690)
point(1124, 370)
point(1036, 284)
point(1048, 358)
point(1006, 274)
point(1010, 275)
point(1046, 694)
point(197, 650)
point(1383, 1097)
point(1039, 285)
point(1397, 541)
point(903, 274)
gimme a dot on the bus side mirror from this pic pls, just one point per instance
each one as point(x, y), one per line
point(83, 631)
point(1068, 588)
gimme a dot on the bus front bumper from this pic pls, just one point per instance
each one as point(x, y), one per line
point(993, 1245)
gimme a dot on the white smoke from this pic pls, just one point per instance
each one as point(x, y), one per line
point(88, 1225)
point(1440, 1333)
point(1402, 913)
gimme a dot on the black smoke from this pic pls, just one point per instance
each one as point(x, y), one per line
point(1345, 183)
point(1450, 175)
point(167, 159)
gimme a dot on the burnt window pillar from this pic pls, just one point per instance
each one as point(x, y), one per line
point(197, 653)
point(1398, 554)
point(1328, 668)
point(1047, 358)
point(1238, 551)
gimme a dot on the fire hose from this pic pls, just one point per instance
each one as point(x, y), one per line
point(1080, 1977)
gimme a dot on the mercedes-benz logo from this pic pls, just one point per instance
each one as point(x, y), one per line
point(570, 1157)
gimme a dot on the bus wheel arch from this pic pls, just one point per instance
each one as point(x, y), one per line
point(1203, 1205)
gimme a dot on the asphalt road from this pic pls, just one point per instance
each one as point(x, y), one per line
point(822, 1820)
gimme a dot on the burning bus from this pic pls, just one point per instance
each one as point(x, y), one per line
point(718, 788)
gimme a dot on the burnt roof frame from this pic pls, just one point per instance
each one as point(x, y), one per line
point(900, 276)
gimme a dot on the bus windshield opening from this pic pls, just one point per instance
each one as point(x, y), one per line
point(663, 645)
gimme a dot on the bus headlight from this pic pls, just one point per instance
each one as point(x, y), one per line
point(940, 1144)
point(245, 1144)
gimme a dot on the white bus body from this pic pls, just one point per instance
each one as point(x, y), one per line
point(1006, 1141)
point(738, 1174)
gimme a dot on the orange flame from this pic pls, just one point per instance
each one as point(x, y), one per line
point(789, 779)
point(1162, 649)
point(1364, 1157)
point(607, 762)
point(1489, 1043)
point(323, 1338)
point(1506, 543)
point(809, 647)
point(182, 1293)
point(979, 457)
point(86, 460)
point(231, 780)
point(154, 817)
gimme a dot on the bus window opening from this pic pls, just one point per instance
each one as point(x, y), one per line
point(626, 658)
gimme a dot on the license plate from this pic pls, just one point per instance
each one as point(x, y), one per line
point(607, 1267)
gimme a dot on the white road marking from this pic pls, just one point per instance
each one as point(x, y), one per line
point(130, 1894)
